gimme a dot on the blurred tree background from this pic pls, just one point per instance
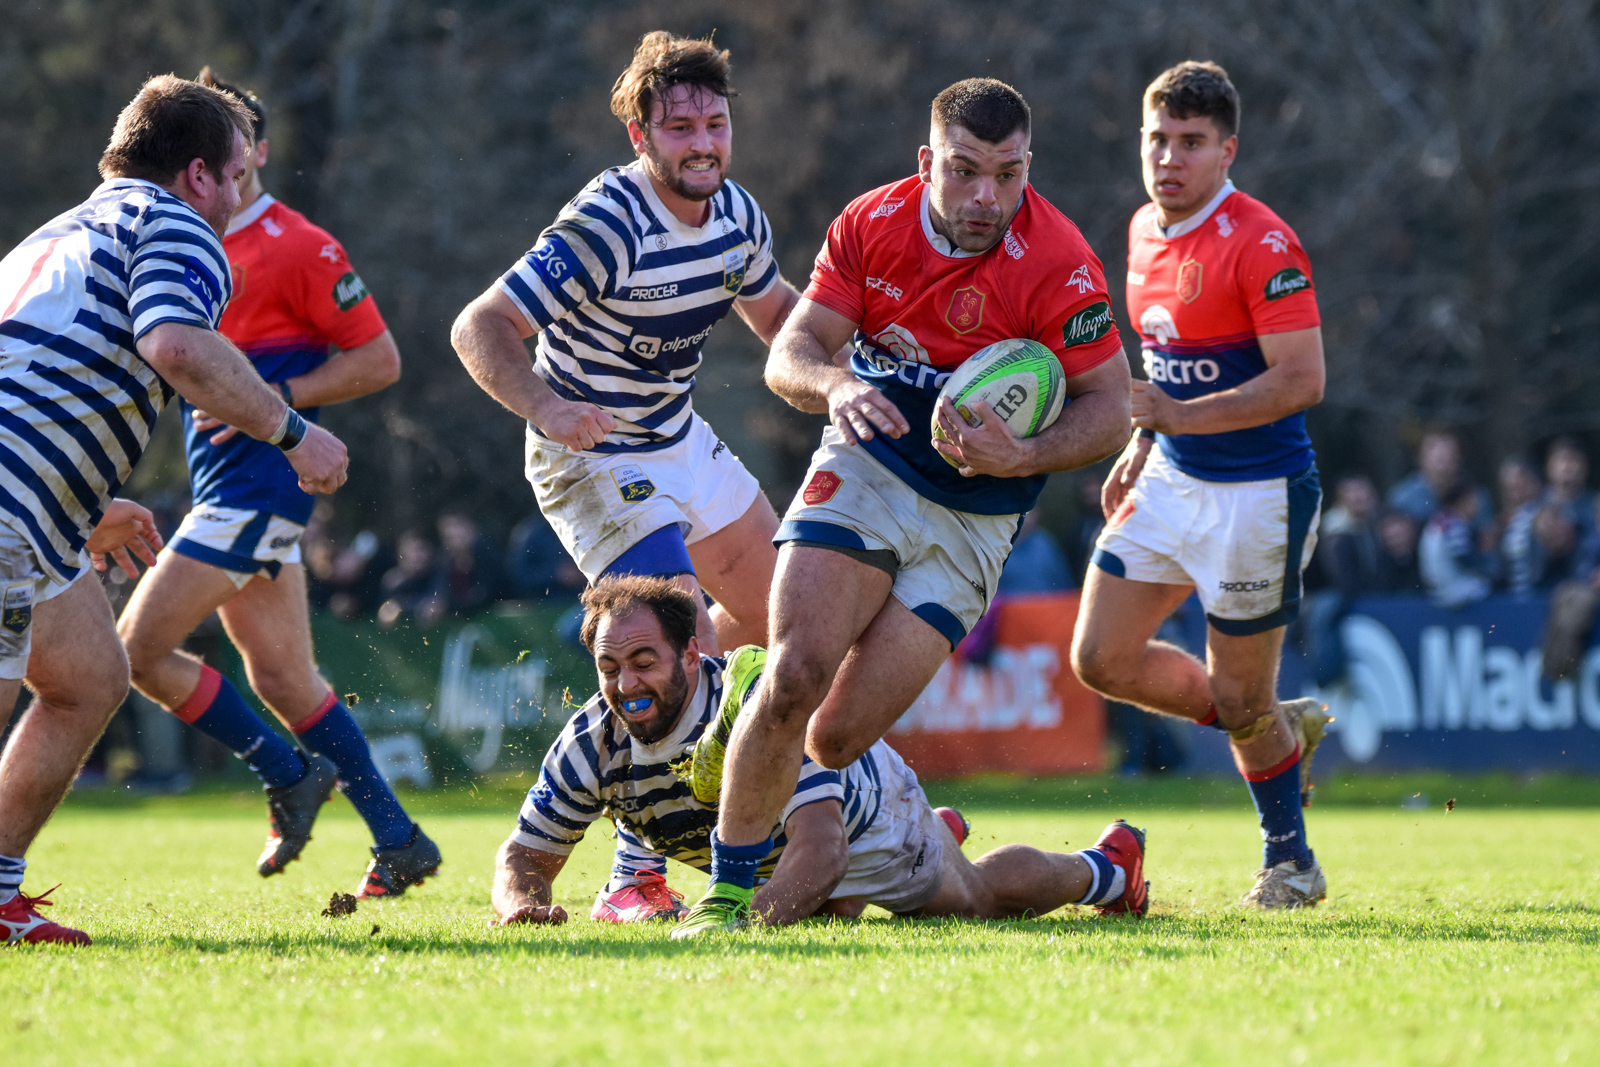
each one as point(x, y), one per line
point(1439, 158)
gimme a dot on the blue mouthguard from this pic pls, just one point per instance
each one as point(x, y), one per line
point(633, 707)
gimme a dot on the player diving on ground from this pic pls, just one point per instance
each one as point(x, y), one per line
point(890, 553)
point(622, 291)
point(238, 551)
point(863, 834)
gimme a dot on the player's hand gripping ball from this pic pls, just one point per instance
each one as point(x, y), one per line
point(1020, 378)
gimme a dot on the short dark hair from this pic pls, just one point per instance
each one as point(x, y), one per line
point(169, 124)
point(990, 110)
point(618, 596)
point(663, 61)
point(1193, 89)
point(251, 101)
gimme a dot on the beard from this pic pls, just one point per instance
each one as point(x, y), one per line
point(673, 177)
point(668, 702)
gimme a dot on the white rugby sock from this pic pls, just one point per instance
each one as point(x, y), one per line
point(1106, 881)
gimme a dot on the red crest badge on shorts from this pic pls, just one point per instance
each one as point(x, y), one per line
point(821, 487)
point(1189, 280)
point(965, 312)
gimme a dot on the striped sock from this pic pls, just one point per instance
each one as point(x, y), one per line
point(737, 864)
point(331, 731)
point(1276, 792)
point(216, 709)
point(12, 868)
point(1106, 879)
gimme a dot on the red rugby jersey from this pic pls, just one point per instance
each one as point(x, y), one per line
point(1201, 298)
point(922, 312)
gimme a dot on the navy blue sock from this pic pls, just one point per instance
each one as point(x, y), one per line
point(216, 709)
point(1276, 792)
point(331, 731)
point(737, 864)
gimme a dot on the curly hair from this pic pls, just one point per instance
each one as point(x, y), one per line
point(618, 596)
point(663, 61)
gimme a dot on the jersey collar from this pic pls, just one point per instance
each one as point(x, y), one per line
point(1192, 223)
point(673, 224)
point(941, 244)
point(250, 214)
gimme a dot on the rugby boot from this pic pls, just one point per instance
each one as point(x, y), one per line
point(292, 809)
point(1123, 845)
point(702, 768)
point(1287, 886)
point(646, 899)
point(22, 924)
point(394, 870)
point(960, 828)
point(724, 909)
point(1308, 720)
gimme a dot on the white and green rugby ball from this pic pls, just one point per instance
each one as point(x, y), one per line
point(1020, 378)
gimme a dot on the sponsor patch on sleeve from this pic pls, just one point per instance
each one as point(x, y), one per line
point(1286, 282)
point(349, 291)
point(1090, 324)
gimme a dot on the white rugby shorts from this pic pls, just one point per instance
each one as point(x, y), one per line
point(1242, 545)
point(241, 542)
point(24, 584)
point(949, 561)
point(601, 505)
point(896, 863)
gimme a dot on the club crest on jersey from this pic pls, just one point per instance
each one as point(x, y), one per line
point(733, 269)
point(1286, 282)
point(821, 487)
point(238, 272)
point(1189, 280)
point(965, 312)
point(17, 614)
point(349, 291)
point(632, 483)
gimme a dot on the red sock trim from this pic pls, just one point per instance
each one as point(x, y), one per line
point(204, 695)
point(1276, 769)
point(315, 717)
point(1210, 719)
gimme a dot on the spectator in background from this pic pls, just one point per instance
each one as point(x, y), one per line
point(1398, 570)
point(469, 566)
point(1348, 549)
point(1421, 493)
point(1566, 472)
point(1521, 560)
point(536, 564)
point(408, 586)
point(1557, 536)
point(1453, 570)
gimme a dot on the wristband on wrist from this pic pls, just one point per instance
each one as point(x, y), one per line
point(1147, 433)
point(288, 394)
point(290, 432)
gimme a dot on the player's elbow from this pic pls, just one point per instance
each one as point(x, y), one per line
point(463, 328)
point(166, 349)
point(386, 364)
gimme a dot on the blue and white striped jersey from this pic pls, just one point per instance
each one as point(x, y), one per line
point(623, 295)
point(596, 768)
point(77, 403)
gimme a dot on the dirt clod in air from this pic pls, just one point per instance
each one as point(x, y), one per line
point(340, 905)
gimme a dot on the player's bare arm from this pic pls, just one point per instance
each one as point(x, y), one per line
point(212, 374)
point(1092, 428)
point(1125, 472)
point(488, 336)
point(765, 316)
point(521, 891)
point(1292, 382)
point(803, 368)
point(124, 527)
point(813, 863)
point(359, 372)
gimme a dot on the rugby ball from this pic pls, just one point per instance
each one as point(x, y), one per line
point(1020, 378)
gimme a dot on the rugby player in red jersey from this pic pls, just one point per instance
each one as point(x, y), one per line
point(238, 551)
point(889, 553)
point(1218, 493)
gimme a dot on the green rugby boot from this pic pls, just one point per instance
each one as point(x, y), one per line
point(724, 909)
point(702, 768)
point(1308, 720)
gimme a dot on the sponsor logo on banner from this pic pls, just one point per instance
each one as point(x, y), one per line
point(821, 488)
point(18, 609)
point(1286, 282)
point(1090, 324)
point(965, 312)
point(733, 265)
point(632, 484)
point(349, 291)
point(1189, 279)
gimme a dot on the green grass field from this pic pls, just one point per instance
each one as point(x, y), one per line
point(1460, 937)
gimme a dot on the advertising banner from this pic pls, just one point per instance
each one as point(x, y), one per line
point(1023, 712)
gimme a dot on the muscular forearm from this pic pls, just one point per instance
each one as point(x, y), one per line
point(1094, 426)
point(362, 370)
point(802, 372)
point(1272, 395)
point(210, 373)
point(794, 895)
point(494, 354)
point(518, 881)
